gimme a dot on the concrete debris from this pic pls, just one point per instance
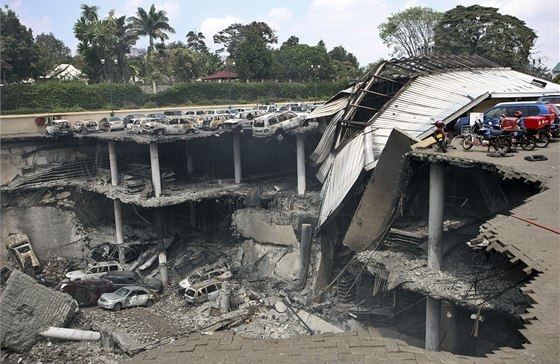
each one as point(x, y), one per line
point(264, 226)
point(70, 334)
point(28, 308)
point(316, 323)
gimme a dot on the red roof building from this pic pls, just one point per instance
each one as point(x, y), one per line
point(222, 76)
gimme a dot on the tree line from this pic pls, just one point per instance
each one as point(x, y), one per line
point(106, 47)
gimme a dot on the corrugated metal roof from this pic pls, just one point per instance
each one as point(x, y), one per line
point(347, 166)
point(323, 148)
point(438, 96)
point(329, 108)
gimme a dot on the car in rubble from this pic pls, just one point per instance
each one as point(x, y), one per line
point(125, 278)
point(95, 270)
point(20, 248)
point(59, 127)
point(219, 270)
point(111, 123)
point(87, 291)
point(124, 297)
point(277, 123)
point(203, 291)
point(154, 127)
point(85, 126)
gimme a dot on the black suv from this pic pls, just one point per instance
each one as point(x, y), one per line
point(125, 278)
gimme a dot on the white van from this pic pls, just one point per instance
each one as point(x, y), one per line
point(276, 123)
point(204, 291)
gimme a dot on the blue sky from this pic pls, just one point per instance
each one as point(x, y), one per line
point(350, 23)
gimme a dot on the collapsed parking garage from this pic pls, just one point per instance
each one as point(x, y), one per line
point(325, 230)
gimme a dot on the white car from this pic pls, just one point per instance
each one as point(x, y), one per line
point(111, 123)
point(59, 127)
point(130, 296)
point(95, 270)
point(218, 270)
point(277, 123)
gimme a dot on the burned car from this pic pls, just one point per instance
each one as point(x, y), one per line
point(277, 123)
point(203, 291)
point(95, 270)
point(85, 126)
point(129, 296)
point(59, 127)
point(218, 270)
point(123, 279)
point(20, 248)
point(86, 292)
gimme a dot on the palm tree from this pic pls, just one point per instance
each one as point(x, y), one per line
point(153, 24)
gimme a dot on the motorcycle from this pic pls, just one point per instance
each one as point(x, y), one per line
point(481, 136)
point(441, 136)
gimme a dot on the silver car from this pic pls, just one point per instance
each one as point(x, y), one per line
point(130, 296)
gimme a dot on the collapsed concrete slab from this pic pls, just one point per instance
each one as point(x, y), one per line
point(270, 260)
point(370, 218)
point(29, 308)
point(264, 226)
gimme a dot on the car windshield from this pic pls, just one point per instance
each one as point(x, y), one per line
point(121, 292)
point(190, 293)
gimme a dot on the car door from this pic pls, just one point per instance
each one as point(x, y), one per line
point(131, 299)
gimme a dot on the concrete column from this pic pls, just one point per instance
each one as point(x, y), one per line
point(113, 164)
point(300, 165)
point(116, 203)
point(156, 176)
point(305, 252)
point(190, 167)
point(435, 232)
point(449, 327)
point(162, 256)
point(237, 158)
point(192, 208)
point(325, 262)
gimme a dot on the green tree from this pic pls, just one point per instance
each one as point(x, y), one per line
point(345, 64)
point(410, 32)
point(184, 63)
point(235, 34)
point(196, 41)
point(253, 58)
point(50, 53)
point(300, 62)
point(16, 47)
point(86, 31)
point(479, 30)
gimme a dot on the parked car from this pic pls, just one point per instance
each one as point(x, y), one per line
point(129, 296)
point(215, 122)
point(86, 292)
point(20, 248)
point(127, 119)
point(219, 270)
point(492, 115)
point(171, 113)
point(243, 121)
point(277, 123)
point(85, 126)
point(553, 99)
point(181, 125)
point(111, 123)
point(198, 115)
point(58, 127)
point(157, 116)
point(95, 270)
point(210, 114)
point(135, 125)
point(125, 278)
point(154, 127)
point(203, 291)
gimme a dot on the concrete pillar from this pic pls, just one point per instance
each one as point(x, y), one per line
point(237, 158)
point(113, 164)
point(192, 208)
point(189, 164)
point(449, 327)
point(305, 252)
point(116, 203)
point(300, 165)
point(162, 256)
point(435, 232)
point(325, 262)
point(156, 175)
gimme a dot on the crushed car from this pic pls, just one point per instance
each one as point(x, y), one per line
point(95, 270)
point(125, 278)
point(219, 270)
point(85, 126)
point(277, 123)
point(20, 248)
point(129, 296)
point(86, 292)
point(203, 291)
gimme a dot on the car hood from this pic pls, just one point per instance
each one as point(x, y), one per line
point(111, 297)
point(74, 273)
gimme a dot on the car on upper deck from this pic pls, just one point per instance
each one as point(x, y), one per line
point(277, 123)
point(59, 127)
point(111, 123)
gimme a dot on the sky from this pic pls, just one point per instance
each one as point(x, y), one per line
point(352, 24)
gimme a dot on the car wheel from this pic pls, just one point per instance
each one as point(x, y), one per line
point(117, 307)
point(160, 132)
point(149, 303)
point(220, 127)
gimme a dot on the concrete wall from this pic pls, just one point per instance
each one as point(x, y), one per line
point(378, 198)
point(52, 231)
